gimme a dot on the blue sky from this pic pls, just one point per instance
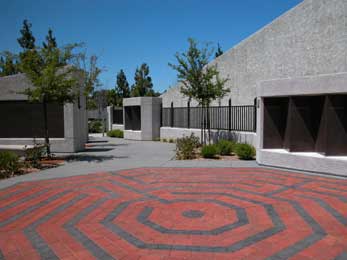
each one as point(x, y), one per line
point(123, 34)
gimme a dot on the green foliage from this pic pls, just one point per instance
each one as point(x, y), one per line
point(112, 97)
point(50, 77)
point(27, 40)
point(143, 83)
point(8, 64)
point(164, 140)
point(122, 89)
point(156, 139)
point(199, 80)
point(50, 41)
point(245, 151)
point(9, 164)
point(89, 65)
point(91, 73)
point(209, 151)
point(95, 126)
point(35, 154)
point(171, 140)
point(225, 147)
point(116, 133)
point(219, 51)
point(186, 146)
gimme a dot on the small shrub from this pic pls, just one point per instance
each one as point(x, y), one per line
point(9, 164)
point(186, 146)
point(35, 154)
point(225, 147)
point(245, 151)
point(171, 140)
point(209, 151)
point(116, 133)
point(164, 140)
point(95, 126)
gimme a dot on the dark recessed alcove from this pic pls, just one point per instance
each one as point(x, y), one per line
point(303, 124)
point(21, 119)
point(306, 124)
point(336, 113)
point(275, 120)
point(132, 118)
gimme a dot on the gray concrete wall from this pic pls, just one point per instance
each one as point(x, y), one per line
point(150, 118)
point(303, 161)
point(75, 115)
point(308, 40)
point(307, 161)
point(240, 137)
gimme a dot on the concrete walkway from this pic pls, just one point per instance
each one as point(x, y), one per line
point(112, 154)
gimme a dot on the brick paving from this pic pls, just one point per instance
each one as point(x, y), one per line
point(173, 213)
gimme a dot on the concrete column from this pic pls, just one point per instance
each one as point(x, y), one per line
point(109, 118)
point(150, 108)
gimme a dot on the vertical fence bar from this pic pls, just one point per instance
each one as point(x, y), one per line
point(229, 119)
point(172, 115)
point(188, 116)
point(255, 115)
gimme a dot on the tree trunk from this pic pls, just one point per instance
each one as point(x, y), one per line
point(202, 124)
point(45, 121)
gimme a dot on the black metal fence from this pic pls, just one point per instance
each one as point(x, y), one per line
point(118, 115)
point(232, 118)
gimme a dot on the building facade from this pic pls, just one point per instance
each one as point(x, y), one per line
point(296, 70)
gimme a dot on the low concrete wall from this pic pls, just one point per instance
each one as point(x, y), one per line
point(240, 137)
point(119, 127)
point(133, 135)
point(58, 145)
point(312, 162)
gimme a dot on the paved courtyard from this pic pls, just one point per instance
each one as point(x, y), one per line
point(176, 213)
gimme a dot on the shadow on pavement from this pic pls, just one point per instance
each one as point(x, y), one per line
point(96, 149)
point(92, 158)
point(97, 141)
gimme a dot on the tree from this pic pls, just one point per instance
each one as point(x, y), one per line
point(219, 51)
point(27, 40)
point(122, 89)
point(199, 80)
point(112, 98)
point(143, 83)
point(52, 82)
point(91, 73)
point(8, 64)
point(50, 40)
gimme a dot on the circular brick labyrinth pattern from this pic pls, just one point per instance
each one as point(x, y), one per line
point(165, 213)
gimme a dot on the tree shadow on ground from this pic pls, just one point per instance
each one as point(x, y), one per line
point(97, 149)
point(92, 158)
point(105, 145)
point(97, 141)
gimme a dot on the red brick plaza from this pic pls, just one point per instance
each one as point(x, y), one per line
point(240, 213)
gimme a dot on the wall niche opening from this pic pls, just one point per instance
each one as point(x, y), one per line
point(132, 116)
point(275, 122)
point(306, 124)
point(336, 120)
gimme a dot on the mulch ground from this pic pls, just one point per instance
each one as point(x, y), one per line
point(164, 213)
